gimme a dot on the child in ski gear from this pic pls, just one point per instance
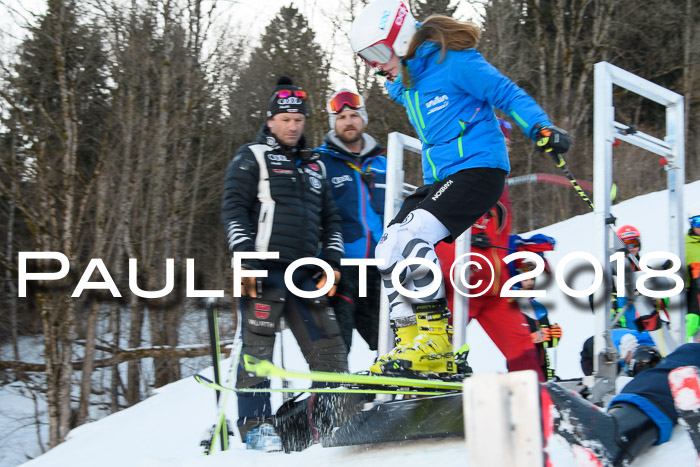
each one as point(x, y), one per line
point(633, 314)
point(544, 335)
point(277, 199)
point(449, 91)
point(692, 255)
point(643, 414)
point(356, 166)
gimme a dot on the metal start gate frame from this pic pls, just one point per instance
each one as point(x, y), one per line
point(605, 132)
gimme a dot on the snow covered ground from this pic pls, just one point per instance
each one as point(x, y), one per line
point(165, 429)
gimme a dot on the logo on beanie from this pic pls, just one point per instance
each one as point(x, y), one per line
point(290, 101)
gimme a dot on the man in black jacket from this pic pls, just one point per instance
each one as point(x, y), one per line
point(277, 199)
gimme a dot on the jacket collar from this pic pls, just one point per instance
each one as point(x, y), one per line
point(266, 137)
point(370, 147)
point(427, 54)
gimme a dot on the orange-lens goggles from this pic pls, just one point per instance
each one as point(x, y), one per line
point(285, 93)
point(345, 99)
point(526, 266)
point(632, 242)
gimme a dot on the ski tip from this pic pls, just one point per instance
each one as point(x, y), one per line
point(201, 379)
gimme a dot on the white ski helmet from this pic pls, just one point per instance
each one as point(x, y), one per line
point(383, 28)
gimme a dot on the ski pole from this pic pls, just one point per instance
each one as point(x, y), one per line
point(561, 163)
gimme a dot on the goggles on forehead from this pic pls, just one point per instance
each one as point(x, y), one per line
point(285, 93)
point(345, 99)
point(695, 221)
point(526, 266)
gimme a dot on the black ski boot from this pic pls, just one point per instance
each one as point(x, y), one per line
point(615, 437)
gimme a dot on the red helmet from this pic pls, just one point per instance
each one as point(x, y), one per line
point(630, 235)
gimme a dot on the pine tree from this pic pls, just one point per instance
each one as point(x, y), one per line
point(59, 97)
point(288, 47)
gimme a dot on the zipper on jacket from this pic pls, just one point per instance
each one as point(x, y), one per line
point(419, 124)
point(300, 188)
point(368, 234)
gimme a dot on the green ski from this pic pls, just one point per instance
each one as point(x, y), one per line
point(266, 369)
point(338, 390)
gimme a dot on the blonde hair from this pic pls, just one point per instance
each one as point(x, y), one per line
point(449, 33)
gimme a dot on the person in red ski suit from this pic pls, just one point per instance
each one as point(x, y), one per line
point(500, 317)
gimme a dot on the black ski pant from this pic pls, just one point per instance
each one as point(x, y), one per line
point(313, 323)
point(355, 312)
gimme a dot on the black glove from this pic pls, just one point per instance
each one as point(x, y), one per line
point(481, 240)
point(552, 138)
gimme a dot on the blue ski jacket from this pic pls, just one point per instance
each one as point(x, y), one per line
point(451, 106)
point(358, 183)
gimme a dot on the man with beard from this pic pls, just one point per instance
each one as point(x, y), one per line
point(356, 165)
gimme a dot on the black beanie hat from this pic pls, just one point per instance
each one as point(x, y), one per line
point(292, 104)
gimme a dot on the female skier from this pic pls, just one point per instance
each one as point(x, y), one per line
point(449, 91)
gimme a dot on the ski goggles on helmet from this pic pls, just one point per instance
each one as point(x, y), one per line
point(633, 242)
point(345, 99)
point(695, 221)
point(285, 93)
point(526, 266)
point(382, 51)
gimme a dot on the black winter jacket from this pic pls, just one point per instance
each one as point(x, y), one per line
point(278, 199)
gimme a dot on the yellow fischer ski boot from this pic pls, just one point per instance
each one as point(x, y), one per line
point(404, 339)
point(431, 351)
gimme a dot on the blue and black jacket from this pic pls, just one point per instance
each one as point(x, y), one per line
point(451, 106)
point(358, 183)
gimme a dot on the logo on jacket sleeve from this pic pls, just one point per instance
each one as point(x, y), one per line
point(262, 311)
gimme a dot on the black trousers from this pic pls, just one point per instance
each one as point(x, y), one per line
point(355, 312)
point(313, 323)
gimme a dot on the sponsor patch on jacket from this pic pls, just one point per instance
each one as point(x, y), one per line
point(337, 181)
point(315, 166)
point(437, 103)
point(283, 171)
point(312, 173)
point(278, 157)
